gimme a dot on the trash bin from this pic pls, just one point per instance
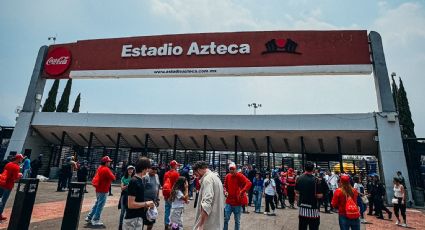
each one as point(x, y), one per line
point(23, 204)
point(74, 202)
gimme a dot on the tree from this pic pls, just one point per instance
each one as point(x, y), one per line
point(395, 92)
point(64, 101)
point(50, 103)
point(405, 116)
point(76, 108)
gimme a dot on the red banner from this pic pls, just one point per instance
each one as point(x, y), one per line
point(214, 54)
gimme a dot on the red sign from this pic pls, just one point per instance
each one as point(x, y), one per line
point(216, 54)
point(57, 61)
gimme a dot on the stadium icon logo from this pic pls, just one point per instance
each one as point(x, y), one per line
point(281, 45)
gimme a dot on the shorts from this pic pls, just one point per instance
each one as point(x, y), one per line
point(132, 224)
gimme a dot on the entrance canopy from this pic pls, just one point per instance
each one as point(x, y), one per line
point(246, 133)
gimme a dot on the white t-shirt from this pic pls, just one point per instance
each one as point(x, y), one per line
point(358, 187)
point(270, 189)
point(178, 202)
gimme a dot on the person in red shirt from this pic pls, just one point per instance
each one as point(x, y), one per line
point(10, 174)
point(291, 179)
point(235, 187)
point(339, 200)
point(101, 181)
point(170, 179)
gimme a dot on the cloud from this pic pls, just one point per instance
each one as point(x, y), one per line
point(402, 24)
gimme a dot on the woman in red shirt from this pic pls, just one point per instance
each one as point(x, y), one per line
point(339, 201)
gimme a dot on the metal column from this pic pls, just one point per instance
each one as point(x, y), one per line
point(268, 152)
point(236, 150)
point(59, 154)
point(205, 148)
point(117, 148)
point(145, 150)
point(213, 161)
point(89, 147)
point(175, 146)
point(302, 152)
point(341, 166)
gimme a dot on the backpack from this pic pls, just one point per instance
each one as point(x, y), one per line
point(166, 189)
point(3, 178)
point(351, 209)
point(95, 180)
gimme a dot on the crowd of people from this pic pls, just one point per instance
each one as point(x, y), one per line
point(307, 190)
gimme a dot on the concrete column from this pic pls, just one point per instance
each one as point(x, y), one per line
point(380, 74)
point(22, 134)
point(391, 153)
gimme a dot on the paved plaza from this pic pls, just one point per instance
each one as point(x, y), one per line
point(49, 208)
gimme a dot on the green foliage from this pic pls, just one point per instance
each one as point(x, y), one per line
point(405, 116)
point(50, 103)
point(394, 92)
point(76, 108)
point(64, 101)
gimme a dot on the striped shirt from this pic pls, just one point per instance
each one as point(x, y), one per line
point(308, 212)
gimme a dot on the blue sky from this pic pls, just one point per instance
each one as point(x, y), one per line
point(26, 25)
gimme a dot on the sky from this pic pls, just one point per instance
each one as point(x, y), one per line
point(26, 25)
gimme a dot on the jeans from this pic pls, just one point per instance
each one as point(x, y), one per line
point(123, 209)
point(228, 209)
point(97, 209)
point(26, 173)
point(167, 212)
point(257, 201)
point(4, 198)
point(346, 224)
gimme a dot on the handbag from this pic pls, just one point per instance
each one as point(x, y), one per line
point(394, 200)
point(365, 200)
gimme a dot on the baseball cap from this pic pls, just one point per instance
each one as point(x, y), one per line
point(106, 159)
point(232, 166)
point(130, 167)
point(19, 156)
point(174, 163)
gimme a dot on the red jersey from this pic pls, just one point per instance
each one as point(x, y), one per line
point(236, 186)
point(339, 200)
point(173, 175)
point(12, 174)
point(105, 179)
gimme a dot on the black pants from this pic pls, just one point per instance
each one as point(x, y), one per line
point(400, 207)
point(291, 194)
point(324, 202)
point(269, 202)
point(311, 223)
point(250, 192)
point(379, 207)
point(370, 205)
point(278, 198)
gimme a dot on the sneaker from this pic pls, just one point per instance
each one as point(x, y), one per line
point(397, 223)
point(3, 218)
point(96, 223)
point(404, 225)
point(87, 219)
point(266, 213)
point(190, 198)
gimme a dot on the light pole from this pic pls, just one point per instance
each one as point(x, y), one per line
point(255, 106)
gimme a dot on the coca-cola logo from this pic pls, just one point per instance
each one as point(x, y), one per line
point(58, 61)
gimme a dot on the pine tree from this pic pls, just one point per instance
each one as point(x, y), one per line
point(405, 116)
point(50, 103)
point(395, 92)
point(76, 108)
point(64, 101)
